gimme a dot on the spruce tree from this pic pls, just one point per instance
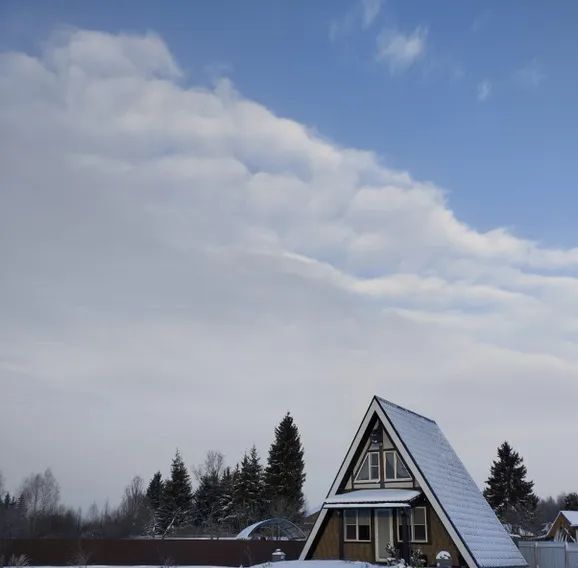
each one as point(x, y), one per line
point(208, 500)
point(155, 490)
point(284, 475)
point(226, 513)
point(177, 496)
point(248, 491)
point(507, 490)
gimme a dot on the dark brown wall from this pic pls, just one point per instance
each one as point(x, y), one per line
point(57, 552)
point(327, 545)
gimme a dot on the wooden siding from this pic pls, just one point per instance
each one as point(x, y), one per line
point(363, 551)
point(327, 545)
point(561, 522)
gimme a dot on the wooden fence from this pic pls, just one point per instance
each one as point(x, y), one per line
point(151, 552)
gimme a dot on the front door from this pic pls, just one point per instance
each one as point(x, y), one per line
point(383, 534)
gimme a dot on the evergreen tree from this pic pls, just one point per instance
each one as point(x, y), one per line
point(208, 500)
point(155, 490)
point(154, 497)
point(285, 475)
point(571, 502)
point(225, 506)
point(507, 490)
point(177, 497)
point(247, 492)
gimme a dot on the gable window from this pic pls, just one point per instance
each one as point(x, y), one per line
point(369, 470)
point(357, 525)
point(395, 469)
point(417, 525)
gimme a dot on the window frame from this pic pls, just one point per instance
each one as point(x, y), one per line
point(368, 456)
point(347, 512)
point(395, 459)
point(412, 525)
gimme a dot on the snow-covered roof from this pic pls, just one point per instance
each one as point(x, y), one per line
point(372, 498)
point(571, 517)
point(453, 487)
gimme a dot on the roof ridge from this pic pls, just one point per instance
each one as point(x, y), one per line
point(381, 399)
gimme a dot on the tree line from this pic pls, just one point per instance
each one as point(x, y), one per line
point(222, 501)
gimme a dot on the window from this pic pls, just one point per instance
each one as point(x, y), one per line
point(357, 525)
point(417, 525)
point(395, 469)
point(369, 470)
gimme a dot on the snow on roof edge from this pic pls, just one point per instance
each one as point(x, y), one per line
point(388, 402)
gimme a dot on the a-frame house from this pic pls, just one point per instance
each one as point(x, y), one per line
point(402, 487)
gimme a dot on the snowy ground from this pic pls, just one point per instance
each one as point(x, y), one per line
point(286, 564)
point(316, 564)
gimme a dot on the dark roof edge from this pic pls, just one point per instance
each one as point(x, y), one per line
point(381, 399)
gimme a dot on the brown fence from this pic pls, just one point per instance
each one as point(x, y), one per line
point(152, 552)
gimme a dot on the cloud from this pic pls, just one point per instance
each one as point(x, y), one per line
point(531, 75)
point(181, 266)
point(484, 90)
point(399, 50)
point(360, 16)
point(371, 9)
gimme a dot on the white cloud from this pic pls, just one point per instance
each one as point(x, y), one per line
point(400, 50)
point(173, 254)
point(484, 90)
point(360, 16)
point(371, 9)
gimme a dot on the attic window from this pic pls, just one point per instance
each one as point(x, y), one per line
point(369, 470)
point(395, 469)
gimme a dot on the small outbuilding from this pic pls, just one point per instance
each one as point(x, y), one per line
point(565, 527)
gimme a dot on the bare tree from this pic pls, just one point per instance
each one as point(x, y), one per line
point(40, 493)
point(134, 512)
point(39, 496)
point(212, 467)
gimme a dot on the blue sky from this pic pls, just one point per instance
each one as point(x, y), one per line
point(508, 160)
point(316, 202)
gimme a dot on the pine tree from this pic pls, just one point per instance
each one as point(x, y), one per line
point(571, 502)
point(284, 475)
point(508, 492)
point(177, 497)
point(248, 490)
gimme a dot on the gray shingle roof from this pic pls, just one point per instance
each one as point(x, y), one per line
point(456, 491)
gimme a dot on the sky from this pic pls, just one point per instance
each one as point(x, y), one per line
point(213, 213)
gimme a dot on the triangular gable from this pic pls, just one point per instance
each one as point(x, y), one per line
point(508, 555)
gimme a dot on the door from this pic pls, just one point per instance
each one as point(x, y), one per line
point(383, 534)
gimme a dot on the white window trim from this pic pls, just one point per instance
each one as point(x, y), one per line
point(346, 524)
point(371, 479)
point(412, 526)
point(395, 458)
